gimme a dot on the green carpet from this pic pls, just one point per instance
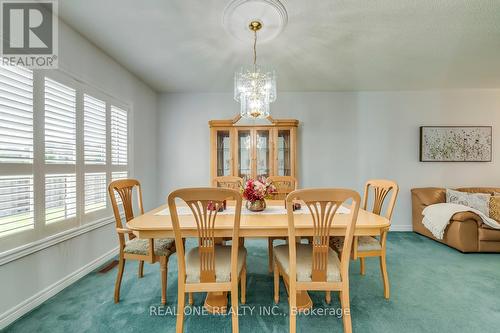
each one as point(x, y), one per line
point(433, 289)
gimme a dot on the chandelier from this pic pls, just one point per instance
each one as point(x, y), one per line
point(254, 86)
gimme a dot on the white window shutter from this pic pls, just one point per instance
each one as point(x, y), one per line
point(60, 123)
point(16, 204)
point(95, 191)
point(119, 136)
point(16, 115)
point(60, 197)
point(94, 115)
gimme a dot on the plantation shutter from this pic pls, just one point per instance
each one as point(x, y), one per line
point(60, 123)
point(119, 136)
point(95, 191)
point(94, 113)
point(16, 150)
point(16, 115)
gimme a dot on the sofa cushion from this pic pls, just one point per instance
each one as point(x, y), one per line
point(479, 201)
point(495, 207)
point(489, 234)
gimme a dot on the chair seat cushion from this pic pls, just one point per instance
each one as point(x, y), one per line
point(304, 262)
point(222, 263)
point(141, 246)
point(365, 243)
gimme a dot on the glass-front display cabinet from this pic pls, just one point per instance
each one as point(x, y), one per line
point(253, 151)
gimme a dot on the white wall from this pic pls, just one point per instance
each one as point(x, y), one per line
point(345, 138)
point(29, 276)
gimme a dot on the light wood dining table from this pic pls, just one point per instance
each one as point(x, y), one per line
point(154, 225)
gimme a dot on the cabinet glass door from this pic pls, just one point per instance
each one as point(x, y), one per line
point(283, 153)
point(223, 153)
point(262, 152)
point(244, 154)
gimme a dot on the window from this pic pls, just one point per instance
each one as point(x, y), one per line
point(56, 156)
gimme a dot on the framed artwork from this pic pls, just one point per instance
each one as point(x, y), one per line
point(455, 143)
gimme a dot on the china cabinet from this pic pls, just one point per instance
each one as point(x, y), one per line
point(253, 150)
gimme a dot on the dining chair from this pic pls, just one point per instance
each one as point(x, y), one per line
point(232, 182)
point(316, 266)
point(208, 267)
point(284, 186)
point(368, 246)
point(150, 250)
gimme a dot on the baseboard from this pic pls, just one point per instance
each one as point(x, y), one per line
point(24, 307)
point(401, 228)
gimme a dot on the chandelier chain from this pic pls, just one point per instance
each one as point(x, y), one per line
point(255, 47)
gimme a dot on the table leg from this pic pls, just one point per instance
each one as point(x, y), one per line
point(216, 302)
point(303, 301)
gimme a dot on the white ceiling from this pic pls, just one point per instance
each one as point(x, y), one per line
point(327, 45)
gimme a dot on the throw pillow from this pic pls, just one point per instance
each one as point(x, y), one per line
point(495, 208)
point(479, 201)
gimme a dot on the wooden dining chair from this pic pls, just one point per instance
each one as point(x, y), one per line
point(368, 246)
point(284, 186)
point(316, 266)
point(150, 250)
point(208, 267)
point(232, 182)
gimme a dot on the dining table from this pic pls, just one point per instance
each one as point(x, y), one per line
point(272, 222)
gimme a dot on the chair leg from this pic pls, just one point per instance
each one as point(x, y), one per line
point(164, 273)
point(385, 276)
point(190, 299)
point(119, 276)
point(141, 269)
point(276, 282)
point(346, 311)
point(244, 285)
point(293, 309)
point(270, 253)
point(181, 300)
point(234, 305)
point(362, 265)
point(328, 297)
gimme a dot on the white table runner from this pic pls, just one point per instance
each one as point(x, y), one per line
point(270, 210)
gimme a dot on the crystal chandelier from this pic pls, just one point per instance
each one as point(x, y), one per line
point(254, 86)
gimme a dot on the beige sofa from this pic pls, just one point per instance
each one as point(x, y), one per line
point(466, 231)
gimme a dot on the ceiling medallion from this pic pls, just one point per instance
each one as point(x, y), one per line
point(238, 13)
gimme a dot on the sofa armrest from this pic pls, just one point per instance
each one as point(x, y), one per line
point(421, 198)
point(466, 216)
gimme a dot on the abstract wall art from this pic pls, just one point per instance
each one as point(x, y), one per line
point(455, 143)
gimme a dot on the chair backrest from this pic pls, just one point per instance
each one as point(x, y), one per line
point(323, 204)
point(124, 188)
point(204, 204)
point(284, 185)
point(381, 187)
point(231, 182)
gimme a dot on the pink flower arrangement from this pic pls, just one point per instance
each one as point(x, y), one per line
point(258, 189)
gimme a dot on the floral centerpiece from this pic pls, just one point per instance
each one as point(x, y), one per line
point(256, 191)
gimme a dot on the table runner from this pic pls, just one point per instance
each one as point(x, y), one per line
point(270, 210)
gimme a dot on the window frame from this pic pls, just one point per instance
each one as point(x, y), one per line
point(44, 232)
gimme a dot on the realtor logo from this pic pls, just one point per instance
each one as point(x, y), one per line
point(29, 33)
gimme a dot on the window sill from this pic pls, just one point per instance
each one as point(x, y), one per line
point(24, 250)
